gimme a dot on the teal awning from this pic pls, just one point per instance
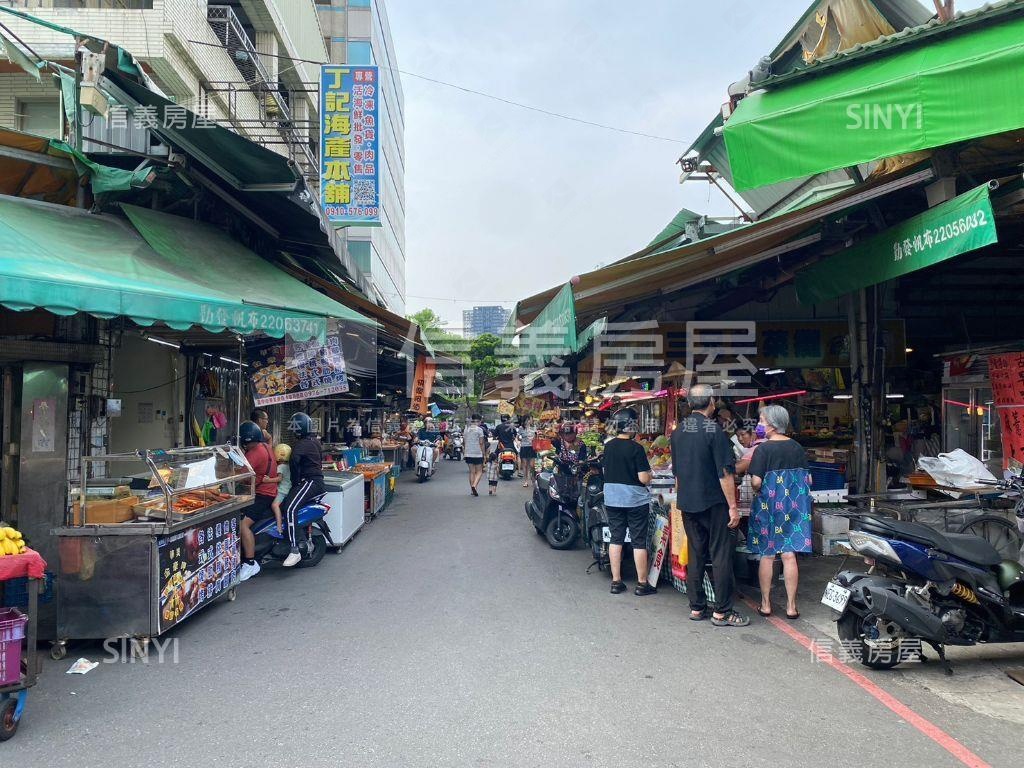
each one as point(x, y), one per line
point(66, 261)
point(552, 333)
point(919, 92)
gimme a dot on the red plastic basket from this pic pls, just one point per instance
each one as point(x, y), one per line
point(12, 632)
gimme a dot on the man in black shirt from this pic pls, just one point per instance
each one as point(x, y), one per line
point(307, 474)
point(704, 465)
point(506, 433)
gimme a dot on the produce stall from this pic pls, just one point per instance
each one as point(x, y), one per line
point(18, 674)
point(143, 553)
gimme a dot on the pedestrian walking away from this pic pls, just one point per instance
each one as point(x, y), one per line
point(627, 473)
point(473, 451)
point(307, 476)
point(703, 463)
point(527, 454)
point(493, 468)
point(780, 515)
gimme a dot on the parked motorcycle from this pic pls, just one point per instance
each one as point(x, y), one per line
point(595, 516)
point(507, 461)
point(553, 506)
point(311, 529)
point(925, 586)
point(424, 460)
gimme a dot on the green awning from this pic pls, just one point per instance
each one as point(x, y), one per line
point(591, 332)
point(956, 226)
point(552, 333)
point(66, 261)
point(243, 163)
point(914, 97)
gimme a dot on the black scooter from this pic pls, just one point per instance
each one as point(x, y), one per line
point(553, 506)
point(312, 531)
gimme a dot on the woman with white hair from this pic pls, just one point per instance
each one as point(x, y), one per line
point(780, 516)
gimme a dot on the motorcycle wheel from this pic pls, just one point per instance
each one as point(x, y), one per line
point(319, 550)
point(421, 475)
point(850, 627)
point(560, 533)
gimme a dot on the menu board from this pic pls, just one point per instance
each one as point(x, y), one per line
point(196, 565)
point(296, 370)
point(1006, 374)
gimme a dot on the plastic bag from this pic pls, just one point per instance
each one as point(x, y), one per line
point(680, 546)
point(957, 469)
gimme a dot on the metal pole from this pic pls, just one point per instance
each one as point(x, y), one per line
point(863, 467)
point(78, 95)
point(855, 375)
point(238, 396)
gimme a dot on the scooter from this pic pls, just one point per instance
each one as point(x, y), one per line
point(453, 448)
point(925, 586)
point(507, 461)
point(553, 506)
point(312, 531)
point(424, 460)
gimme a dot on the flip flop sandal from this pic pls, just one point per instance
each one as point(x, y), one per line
point(766, 614)
point(699, 616)
point(793, 616)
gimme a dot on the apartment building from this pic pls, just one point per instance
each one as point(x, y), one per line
point(233, 61)
point(357, 32)
point(484, 319)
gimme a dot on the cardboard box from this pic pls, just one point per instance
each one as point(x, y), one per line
point(105, 511)
point(831, 544)
point(825, 522)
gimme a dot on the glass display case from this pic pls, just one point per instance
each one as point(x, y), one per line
point(145, 550)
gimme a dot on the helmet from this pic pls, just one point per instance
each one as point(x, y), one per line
point(283, 452)
point(505, 418)
point(250, 432)
point(567, 428)
point(625, 421)
point(300, 425)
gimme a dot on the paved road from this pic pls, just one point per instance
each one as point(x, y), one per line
point(449, 634)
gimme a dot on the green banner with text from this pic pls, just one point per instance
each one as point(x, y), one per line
point(956, 226)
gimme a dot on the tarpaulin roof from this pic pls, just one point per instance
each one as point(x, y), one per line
point(608, 290)
point(941, 85)
point(66, 261)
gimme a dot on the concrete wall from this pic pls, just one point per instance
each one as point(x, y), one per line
point(145, 374)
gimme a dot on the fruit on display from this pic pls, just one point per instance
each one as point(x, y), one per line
point(659, 451)
point(11, 541)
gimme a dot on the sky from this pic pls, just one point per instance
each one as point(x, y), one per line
point(502, 202)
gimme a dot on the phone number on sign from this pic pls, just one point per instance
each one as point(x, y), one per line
point(943, 233)
point(961, 226)
point(335, 210)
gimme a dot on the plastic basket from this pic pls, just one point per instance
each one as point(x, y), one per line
point(12, 632)
point(827, 477)
point(16, 591)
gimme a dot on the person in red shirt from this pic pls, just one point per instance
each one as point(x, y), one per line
point(261, 459)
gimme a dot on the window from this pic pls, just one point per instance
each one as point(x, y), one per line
point(39, 116)
point(359, 3)
point(359, 53)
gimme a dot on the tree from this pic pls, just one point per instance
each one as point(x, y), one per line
point(432, 325)
point(485, 359)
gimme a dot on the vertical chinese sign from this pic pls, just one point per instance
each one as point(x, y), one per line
point(1006, 373)
point(422, 384)
point(350, 145)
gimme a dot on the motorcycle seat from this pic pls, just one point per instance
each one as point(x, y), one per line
point(973, 549)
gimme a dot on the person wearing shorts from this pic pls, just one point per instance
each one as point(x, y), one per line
point(527, 434)
point(473, 451)
point(627, 473)
point(261, 459)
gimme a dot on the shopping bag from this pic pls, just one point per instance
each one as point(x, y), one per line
point(660, 544)
point(957, 469)
point(680, 546)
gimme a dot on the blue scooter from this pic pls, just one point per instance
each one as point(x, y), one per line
point(312, 531)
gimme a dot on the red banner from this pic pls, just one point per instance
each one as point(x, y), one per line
point(422, 384)
point(1006, 373)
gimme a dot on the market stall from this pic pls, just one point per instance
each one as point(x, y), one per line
point(153, 544)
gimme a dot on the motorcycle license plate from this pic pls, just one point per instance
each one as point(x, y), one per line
point(836, 596)
point(507, 467)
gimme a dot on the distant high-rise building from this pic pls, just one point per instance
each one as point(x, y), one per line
point(358, 32)
point(480, 320)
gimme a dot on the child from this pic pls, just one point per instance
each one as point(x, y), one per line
point(492, 468)
point(282, 453)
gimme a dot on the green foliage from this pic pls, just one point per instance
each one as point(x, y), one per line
point(433, 327)
point(485, 359)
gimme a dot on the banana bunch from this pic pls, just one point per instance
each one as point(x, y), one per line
point(11, 542)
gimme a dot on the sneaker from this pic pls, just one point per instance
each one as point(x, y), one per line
point(618, 587)
point(292, 559)
point(645, 589)
point(247, 571)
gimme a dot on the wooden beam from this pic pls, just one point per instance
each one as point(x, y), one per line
point(39, 158)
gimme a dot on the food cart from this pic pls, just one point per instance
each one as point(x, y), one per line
point(18, 674)
point(144, 552)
